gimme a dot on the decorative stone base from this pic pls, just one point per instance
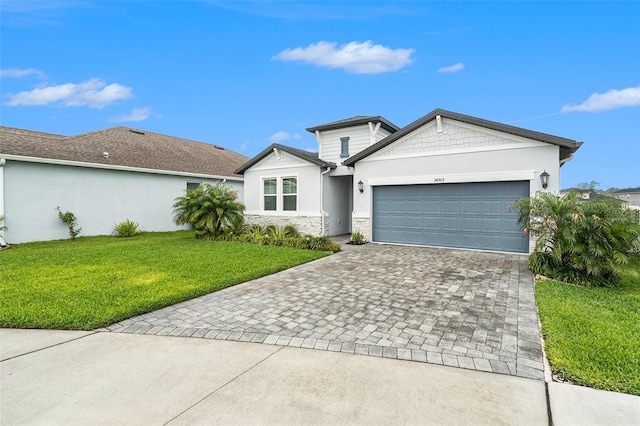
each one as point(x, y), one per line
point(362, 225)
point(306, 225)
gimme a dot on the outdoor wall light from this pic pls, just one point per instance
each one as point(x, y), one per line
point(361, 187)
point(544, 178)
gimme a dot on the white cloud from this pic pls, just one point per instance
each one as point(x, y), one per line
point(452, 68)
point(354, 57)
point(17, 73)
point(612, 99)
point(138, 114)
point(282, 136)
point(94, 93)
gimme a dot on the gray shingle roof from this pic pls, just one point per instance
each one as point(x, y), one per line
point(311, 157)
point(358, 120)
point(126, 147)
point(567, 146)
point(627, 190)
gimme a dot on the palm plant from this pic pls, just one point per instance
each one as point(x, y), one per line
point(580, 242)
point(212, 210)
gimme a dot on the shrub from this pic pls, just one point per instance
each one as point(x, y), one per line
point(2, 227)
point(280, 236)
point(71, 221)
point(579, 242)
point(291, 231)
point(357, 238)
point(128, 228)
point(317, 243)
point(286, 236)
point(212, 211)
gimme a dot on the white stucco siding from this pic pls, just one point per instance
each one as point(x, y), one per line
point(488, 166)
point(308, 202)
point(98, 197)
point(337, 203)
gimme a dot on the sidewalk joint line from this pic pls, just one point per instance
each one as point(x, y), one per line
point(51, 346)
point(222, 386)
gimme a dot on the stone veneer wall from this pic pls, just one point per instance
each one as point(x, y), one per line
point(310, 225)
point(362, 225)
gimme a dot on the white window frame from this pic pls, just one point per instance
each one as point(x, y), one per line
point(279, 193)
point(263, 195)
point(194, 182)
point(290, 194)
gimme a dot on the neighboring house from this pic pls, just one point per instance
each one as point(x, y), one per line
point(103, 177)
point(631, 196)
point(593, 195)
point(444, 180)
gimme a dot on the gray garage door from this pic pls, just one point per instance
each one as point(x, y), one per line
point(466, 215)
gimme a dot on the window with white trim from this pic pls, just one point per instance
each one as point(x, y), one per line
point(193, 185)
point(289, 194)
point(270, 193)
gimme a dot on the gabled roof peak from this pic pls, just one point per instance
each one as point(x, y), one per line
point(311, 157)
point(567, 146)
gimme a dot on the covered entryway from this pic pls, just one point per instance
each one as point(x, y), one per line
point(464, 215)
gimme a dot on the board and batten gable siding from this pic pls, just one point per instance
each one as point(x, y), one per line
point(461, 153)
point(99, 198)
point(283, 165)
point(331, 146)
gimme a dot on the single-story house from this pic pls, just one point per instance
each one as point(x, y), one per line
point(631, 196)
point(446, 179)
point(103, 177)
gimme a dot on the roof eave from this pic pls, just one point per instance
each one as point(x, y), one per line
point(384, 123)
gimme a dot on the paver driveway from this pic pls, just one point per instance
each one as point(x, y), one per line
point(459, 308)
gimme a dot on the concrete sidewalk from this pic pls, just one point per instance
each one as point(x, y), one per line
point(63, 377)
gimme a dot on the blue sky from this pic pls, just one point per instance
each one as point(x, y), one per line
point(245, 74)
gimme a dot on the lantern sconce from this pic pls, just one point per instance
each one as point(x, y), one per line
point(544, 178)
point(361, 187)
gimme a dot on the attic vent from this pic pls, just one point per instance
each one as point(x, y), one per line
point(219, 147)
point(105, 154)
point(136, 131)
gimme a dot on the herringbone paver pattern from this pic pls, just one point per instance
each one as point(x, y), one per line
point(458, 308)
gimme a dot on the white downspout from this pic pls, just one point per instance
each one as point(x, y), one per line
point(2, 163)
point(322, 199)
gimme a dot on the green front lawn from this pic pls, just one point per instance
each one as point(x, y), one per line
point(592, 335)
point(95, 281)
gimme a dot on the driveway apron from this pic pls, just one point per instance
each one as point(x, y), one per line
point(467, 309)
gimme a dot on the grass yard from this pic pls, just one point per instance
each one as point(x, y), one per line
point(592, 335)
point(95, 281)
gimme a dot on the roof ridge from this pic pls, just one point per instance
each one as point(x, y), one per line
point(117, 146)
point(32, 131)
point(145, 132)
